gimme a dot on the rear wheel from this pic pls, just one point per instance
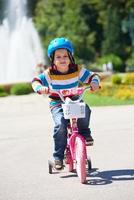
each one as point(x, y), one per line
point(80, 156)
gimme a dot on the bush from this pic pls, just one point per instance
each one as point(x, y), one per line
point(117, 91)
point(129, 79)
point(21, 88)
point(124, 93)
point(106, 90)
point(2, 89)
point(116, 79)
point(130, 64)
point(3, 93)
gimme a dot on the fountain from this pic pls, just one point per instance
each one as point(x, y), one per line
point(20, 47)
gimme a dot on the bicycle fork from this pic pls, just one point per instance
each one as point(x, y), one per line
point(73, 133)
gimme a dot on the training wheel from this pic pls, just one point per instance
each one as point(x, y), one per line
point(50, 167)
point(89, 163)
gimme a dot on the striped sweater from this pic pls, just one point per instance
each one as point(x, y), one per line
point(63, 81)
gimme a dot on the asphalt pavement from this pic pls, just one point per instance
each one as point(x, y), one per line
point(26, 145)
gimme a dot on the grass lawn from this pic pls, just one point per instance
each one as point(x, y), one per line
point(97, 100)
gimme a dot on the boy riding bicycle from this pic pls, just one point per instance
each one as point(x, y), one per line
point(64, 73)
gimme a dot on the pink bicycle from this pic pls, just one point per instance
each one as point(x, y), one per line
point(75, 153)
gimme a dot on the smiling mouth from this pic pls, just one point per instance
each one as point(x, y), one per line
point(63, 63)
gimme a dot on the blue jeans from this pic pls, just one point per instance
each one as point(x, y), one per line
point(60, 130)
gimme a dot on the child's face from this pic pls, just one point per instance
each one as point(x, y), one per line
point(61, 60)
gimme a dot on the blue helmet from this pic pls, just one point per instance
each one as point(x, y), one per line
point(59, 43)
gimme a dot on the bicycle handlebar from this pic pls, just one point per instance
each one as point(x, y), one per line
point(78, 91)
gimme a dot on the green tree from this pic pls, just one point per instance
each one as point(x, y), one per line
point(94, 26)
point(111, 14)
point(58, 18)
point(91, 15)
point(112, 32)
point(31, 7)
point(1, 10)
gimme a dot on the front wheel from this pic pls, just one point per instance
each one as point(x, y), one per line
point(80, 156)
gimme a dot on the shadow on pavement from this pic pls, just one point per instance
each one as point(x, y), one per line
point(97, 177)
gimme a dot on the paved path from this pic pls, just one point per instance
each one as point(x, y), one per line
point(26, 145)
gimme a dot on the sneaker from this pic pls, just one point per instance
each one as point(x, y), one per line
point(89, 141)
point(58, 164)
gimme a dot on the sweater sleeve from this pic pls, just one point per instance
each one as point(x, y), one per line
point(87, 76)
point(39, 81)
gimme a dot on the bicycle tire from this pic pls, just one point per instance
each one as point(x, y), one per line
point(80, 156)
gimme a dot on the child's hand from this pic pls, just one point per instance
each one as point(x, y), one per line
point(94, 86)
point(42, 89)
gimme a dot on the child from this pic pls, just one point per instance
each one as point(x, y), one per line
point(64, 74)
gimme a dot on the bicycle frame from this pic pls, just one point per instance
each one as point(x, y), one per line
point(72, 136)
point(76, 148)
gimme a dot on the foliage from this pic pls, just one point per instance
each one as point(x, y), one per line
point(124, 93)
point(112, 32)
point(106, 90)
point(94, 67)
point(94, 26)
point(1, 10)
point(116, 61)
point(130, 63)
point(1, 89)
point(116, 79)
point(130, 68)
point(129, 79)
point(31, 7)
point(21, 88)
point(3, 93)
point(74, 25)
point(117, 91)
